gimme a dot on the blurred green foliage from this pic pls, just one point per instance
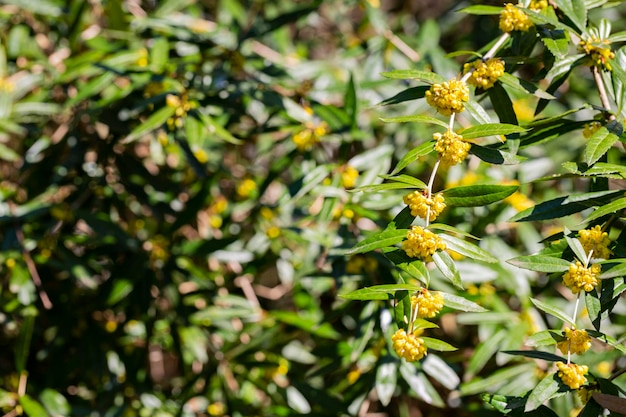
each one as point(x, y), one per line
point(179, 194)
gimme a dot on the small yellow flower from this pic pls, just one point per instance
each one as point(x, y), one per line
point(422, 243)
point(246, 188)
point(538, 5)
point(424, 206)
point(349, 176)
point(519, 201)
point(572, 375)
point(408, 346)
point(580, 278)
point(484, 74)
point(598, 51)
point(273, 232)
point(576, 341)
point(306, 138)
point(513, 18)
point(448, 97)
point(181, 106)
point(427, 303)
point(451, 147)
point(591, 128)
point(595, 240)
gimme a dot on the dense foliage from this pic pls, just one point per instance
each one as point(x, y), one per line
point(244, 208)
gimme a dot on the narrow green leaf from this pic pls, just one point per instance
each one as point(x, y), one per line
point(351, 102)
point(452, 230)
point(594, 307)
point(440, 371)
point(554, 311)
point(383, 187)
point(388, 237)
point(425, 76)
point(576, 11)
point(542, 338)
point(618, 270)
point(612, 403)
point(555, 40)
point(477, 195)
point(436, 344)
point(598, 145)
point(614, 207)
point(156, 120)
point(448, 268)
point(536, 354)
point(502, 104)
point(32, 408)
point(547, 388)
point(484, 352)
point(610, 340)
point(22, 346)
point(523, 86)
point(481, 9)
point(491, 129)
point(495, 156)
point(405, 179)
point(467, 249)
point(478, 113)
point(576, 247)
point(496, 379)
point(404, 219)
point(379, 292)
point(413, 93)
point(415, 119)
point(413, 155)
point(459, 303)
point(386, 380)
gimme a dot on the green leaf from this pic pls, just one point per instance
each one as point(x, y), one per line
point(618, 270)
point(32, 408)
point(600, 142)
point(404, 219)
point(502, 104)
point(491, 129)
point(542, 338)
point(440, 371)
point(496, 379)
point(217, 130)
point(413, 155)
point(22, 346)
point(415, 119)
point(556, 40)
point(576, 11)
point(386, 380)
point(554, 311)
point(156, 120)
point(413, 93)
point(477, 112)
point(547, 388)
point(459, 303)
point(481, 9)
point(612, 403)
point(414, 268)
point(477, 195)
point(405, 179)
point(379, 292)
point(387, 237)
point(563, 206)
point(540, 263)
point(436, 344)
point(536, 354)
point(121, 288)
point(495, 156)
point(448, 268)
point(467, 249)
point(576, 247)
point(594, 307)
point(351, 102)
point(310, 325)
point(425, 76)
point(55, 402)
point(614, 207)
point(523, 86)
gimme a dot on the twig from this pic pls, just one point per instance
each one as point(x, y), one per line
point(402, 46)
point(604, 98)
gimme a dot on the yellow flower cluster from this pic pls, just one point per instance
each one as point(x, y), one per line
point(408, 346)
point(580, 278)
point(590, 129)
point(422, 243)
point(513, 18)
point(424, 206)
point(598, 51)
point(427, 303)
point(572, 375)
point(451, 147)
point(310, 135)
point(576, 341)
point(448, 97)
point(484, 74)
point(181, 105)
point(246, 187)
point(595, 240)
point(349, 175)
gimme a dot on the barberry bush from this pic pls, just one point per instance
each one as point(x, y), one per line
point(283, 208)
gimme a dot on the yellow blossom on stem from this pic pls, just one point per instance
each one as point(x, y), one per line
point(578, 277)
point(576, 341)
point(349, 175)
point(408, 346)
point(538, 5)
point(513, 18)
point(591, 128)
point(451, 147)
point(484, 74)
point(427, 303)
point(595, 240)
point(420, 204)
point(422, 243)
point(572, 375)
point(448, 97)
point(598, 51)
point(306, 138)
